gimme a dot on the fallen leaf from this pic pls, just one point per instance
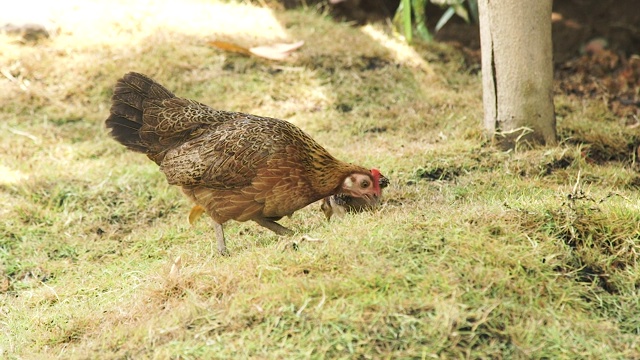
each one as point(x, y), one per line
point(279, 51)
point(276, 51)
point(195, 214)
point(230, 47)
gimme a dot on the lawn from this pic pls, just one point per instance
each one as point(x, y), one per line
point(474, 253)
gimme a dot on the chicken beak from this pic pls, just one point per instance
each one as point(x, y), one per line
point(371, 199)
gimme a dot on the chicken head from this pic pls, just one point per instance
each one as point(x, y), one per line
point(340, 204)
point(365, 186)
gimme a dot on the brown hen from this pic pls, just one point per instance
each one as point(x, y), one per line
point(236, 166)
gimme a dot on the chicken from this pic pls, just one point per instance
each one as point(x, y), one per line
point(338, 204)
point(236, 166)
point(341, 204)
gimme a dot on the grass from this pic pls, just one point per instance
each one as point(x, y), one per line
point(475, 253)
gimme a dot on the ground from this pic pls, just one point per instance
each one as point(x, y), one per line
point(474, 253)
point(596, 47)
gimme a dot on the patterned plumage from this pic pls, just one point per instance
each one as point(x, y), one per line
point(340, 204)
point(234, 165)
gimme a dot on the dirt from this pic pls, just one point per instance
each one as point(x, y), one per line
point(596, 46)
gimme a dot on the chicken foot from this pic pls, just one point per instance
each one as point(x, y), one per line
point(269, 224)
point(274, 226)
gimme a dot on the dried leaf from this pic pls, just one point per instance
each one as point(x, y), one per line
point(195, 214)
point(230, 47)
point(276, 51)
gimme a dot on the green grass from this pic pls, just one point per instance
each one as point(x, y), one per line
point(475, 253)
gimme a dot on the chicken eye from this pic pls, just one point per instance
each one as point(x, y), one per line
point(364, 184)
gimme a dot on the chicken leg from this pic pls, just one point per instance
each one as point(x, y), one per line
point(269, 224)
point(222, 246)
point(273, 226)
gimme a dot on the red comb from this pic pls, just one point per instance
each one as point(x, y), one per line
point(375, 173)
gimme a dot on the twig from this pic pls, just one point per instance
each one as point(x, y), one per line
point(174, 273)
point(306, 302)
point(296, 244)
point(575, 187)
point(310, 239)
point(324, 298)
point(21, 84)
point(33, 138)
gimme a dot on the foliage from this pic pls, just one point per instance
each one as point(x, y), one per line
point(411, 14)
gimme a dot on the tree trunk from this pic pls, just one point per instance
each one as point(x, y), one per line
point(517, 71)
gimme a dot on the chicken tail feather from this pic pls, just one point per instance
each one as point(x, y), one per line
point(125, 119)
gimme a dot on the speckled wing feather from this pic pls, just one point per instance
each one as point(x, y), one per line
point(216, 149)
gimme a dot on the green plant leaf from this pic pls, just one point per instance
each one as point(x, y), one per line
point(445, 18)
point(421, 19)
point(462, 12)
point(406, 19)
point(423, 32)
point(473, 9)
